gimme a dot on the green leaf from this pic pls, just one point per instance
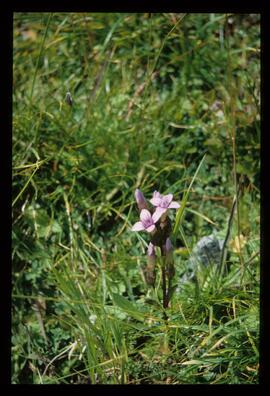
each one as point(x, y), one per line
point(127, 306)
point(201, 215)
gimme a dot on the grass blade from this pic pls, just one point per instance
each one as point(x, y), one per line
point(180, 211)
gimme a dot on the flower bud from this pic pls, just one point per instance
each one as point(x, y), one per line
point(150, 270)
point(151, 250)
point(169, 258)
point(141, 201)
point(168, 246)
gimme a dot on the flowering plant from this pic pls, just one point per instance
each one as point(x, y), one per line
point(155, 221)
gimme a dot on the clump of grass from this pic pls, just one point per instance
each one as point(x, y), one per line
point(152, 95)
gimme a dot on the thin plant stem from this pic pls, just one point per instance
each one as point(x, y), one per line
point(169, 295)
point(39, 57)
point(164, 289)
point(232, 129)
point(222, 267)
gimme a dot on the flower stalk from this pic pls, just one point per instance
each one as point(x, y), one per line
point(156, 222)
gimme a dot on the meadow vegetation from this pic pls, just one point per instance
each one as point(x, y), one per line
point(167, 102)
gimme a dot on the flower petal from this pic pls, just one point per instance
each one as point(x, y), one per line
point(174, 205)
point(151, 228)
point(138, 226)
point(155, 201)
point(158, 213)
point(168, 198)
point(145, 215)
point(156, 194)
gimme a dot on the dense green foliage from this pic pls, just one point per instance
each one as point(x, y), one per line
point(152, 95)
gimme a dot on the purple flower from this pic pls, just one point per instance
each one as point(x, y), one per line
point(147, 223)
point(141, 201)
point(163, 203)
